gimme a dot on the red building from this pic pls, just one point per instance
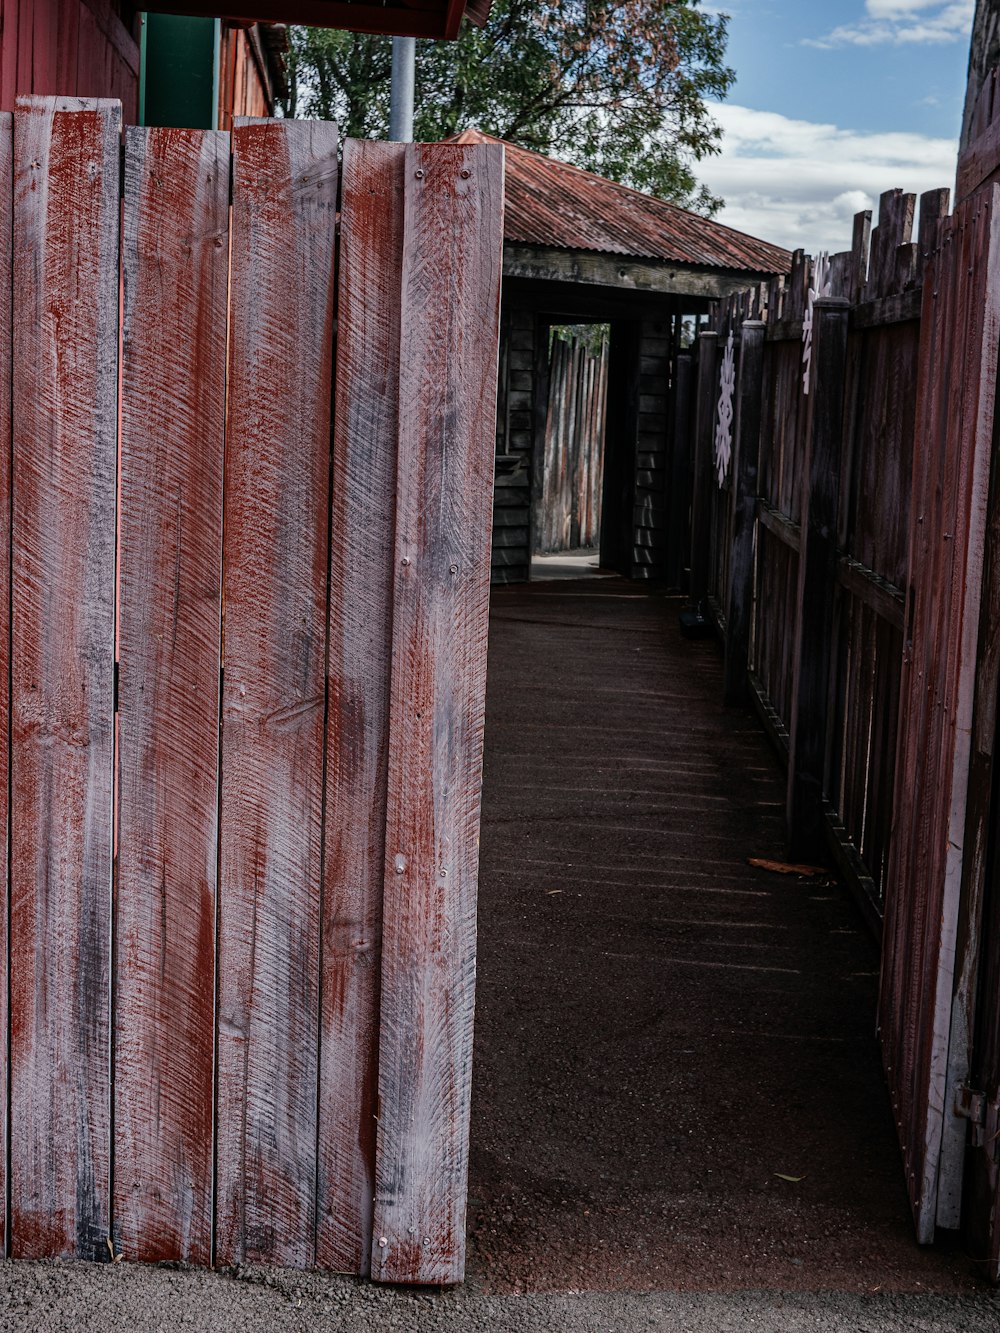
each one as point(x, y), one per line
point(194, 69)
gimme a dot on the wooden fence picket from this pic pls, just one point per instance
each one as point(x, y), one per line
point(273, 703)
point(6, 204)
point(65, 372)
point(366, 430)
point(453, 220)
point(175, 265)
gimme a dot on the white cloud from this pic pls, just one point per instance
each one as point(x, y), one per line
point(798, 184)
point(902, 21)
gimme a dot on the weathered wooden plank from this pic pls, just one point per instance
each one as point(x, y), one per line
point(933, 211)
point(66, 233)
point(746, 454)
point(453, 223)
point(366, 428)
point(274, 593)
point(175, 266)
point(6, 333)
point(810, 677)
point(860, 250)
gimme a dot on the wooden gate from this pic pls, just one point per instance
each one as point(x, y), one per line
point(247, 675)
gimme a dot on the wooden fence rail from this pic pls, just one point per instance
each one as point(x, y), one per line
point(242, 900)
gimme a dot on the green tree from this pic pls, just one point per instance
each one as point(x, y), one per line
point(617, 88)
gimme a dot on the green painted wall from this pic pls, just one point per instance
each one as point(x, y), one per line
point(179, 71)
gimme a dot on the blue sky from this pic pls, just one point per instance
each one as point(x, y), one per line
point(833, 103)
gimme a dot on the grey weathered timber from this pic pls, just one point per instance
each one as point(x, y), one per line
point(365, 430)
point(807, 729)
point(745, 464)
point(453, 218)
point(65, 417)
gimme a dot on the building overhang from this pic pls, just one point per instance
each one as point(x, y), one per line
point(400, 18)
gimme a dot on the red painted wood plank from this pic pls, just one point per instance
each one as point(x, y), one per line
point(175, 260)
point(448, 374)
point(274, 585)
point(69, 38)
point(64, 462)
point(8, 54)
point(362, 531)
point(24, 39)
point(6, 200)
point(44, 56)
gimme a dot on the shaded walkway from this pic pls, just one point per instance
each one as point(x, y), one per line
point(662, 1029)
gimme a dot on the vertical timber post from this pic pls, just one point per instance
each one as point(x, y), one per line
point(745, 464)
point(701, 500)
point(817, 556)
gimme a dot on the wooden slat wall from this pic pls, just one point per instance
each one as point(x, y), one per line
point(650, 515)
point(237, 958)
point(910, 685)
point(521, 386)
point(952, 459)
point(452, 222)
point(176, 245)
point(66, 237)
point(68, 47)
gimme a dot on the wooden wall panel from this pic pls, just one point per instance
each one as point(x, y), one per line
point(274, 586)
point(66, 234)
point(176, 257)
point(453, 222)
point(363, 525)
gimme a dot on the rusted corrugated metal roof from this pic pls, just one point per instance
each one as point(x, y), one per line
point(552, 203)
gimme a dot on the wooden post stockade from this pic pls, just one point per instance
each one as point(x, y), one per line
point(873, 655)
point(249, 1038)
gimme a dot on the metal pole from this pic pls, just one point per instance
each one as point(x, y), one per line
point(401, 97)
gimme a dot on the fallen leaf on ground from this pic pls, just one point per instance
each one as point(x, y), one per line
point(794, 1179)
point(784, 867)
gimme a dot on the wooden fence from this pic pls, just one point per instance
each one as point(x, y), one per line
point(242, 902)
point(851, 558)
point(573, 467)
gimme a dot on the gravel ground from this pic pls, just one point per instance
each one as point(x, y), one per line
point(58, 1298)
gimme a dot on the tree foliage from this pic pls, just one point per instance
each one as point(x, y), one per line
point(617, 88)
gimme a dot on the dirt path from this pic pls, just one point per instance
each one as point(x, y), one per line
point(664, 1033)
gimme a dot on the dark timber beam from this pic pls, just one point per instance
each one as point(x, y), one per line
point(551, 264)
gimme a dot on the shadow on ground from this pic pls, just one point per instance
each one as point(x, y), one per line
point(665, 1035)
